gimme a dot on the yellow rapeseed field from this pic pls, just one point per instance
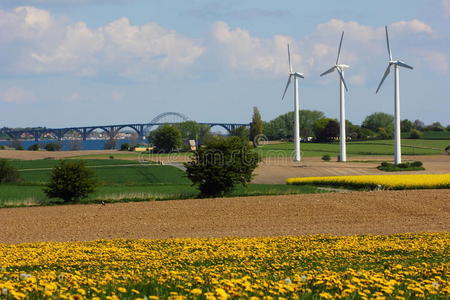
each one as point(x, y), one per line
point(410, 181)
point(307, 267)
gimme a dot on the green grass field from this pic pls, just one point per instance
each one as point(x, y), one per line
point(122, 180)
point(363, 148)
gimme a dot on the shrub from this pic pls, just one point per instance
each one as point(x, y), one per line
point(447, 149)
point(34, 147)
point(8, 174)
point(70, 181)
point(416, 163)
point(415, 134)
point(52, 147)
point(384, 164)
point(403, 165)
point(326, 157)
point(125, 147)
point(221, 164)
point(111, 157)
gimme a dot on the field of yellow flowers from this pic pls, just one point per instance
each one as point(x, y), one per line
point(307, 267)
point(410, 181)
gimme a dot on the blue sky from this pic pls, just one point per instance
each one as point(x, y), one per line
point(87, 62)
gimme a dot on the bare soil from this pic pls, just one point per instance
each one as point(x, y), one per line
point(385, 212)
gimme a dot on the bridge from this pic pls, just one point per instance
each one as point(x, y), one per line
point(141, 129)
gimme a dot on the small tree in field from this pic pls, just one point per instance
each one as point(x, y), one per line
point(221, 164)
point(8, 174)
point(166, 138)
point(71, 181)
point(256, 127)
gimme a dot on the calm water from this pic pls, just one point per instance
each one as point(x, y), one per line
point(69, 145)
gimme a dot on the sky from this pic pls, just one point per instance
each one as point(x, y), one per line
point(98, 62)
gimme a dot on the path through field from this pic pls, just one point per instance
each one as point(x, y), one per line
point(385, 212)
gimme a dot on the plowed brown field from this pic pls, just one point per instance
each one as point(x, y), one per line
point(385, 212)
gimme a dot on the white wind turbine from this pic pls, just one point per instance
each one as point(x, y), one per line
point(396, 64)
point(296, 76)
point(340, 69)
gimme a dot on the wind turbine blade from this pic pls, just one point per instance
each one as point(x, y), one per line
point(342, 78)
point(386, 73)
point(339, 51)
point(328, 71)
point(387, 41)
point(402, 64)
point(289, 59)
point(287, 85)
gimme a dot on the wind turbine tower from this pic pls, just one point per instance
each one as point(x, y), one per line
point(340, 69)
point(396, 64)
point(296, 76)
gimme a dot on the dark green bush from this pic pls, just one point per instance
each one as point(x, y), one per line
point(220, 164)
point(8, 174)
point(34, 147)
point(416, 163)
point(125, 147)
point(384, 164)
point(52, 147)
point(71, 181)
point(402, 165)
point(326, 157)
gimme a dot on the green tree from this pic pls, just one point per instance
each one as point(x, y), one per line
point(221, 164)
point(166, 138)
point(8, 174)
point(326, 129)
point(70, 181)
point(406, 125)
point(191, 130)
point(241, 132)
point(436, 126)
point(282, 127)
point(379, 120)
point(419, 125)
point(34, 147)
point(124, 147)
point(52, 147)
point(256, 127)
point(384, 134)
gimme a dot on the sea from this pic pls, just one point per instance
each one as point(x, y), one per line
point(67, 145)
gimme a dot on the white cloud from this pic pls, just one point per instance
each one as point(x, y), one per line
point(243, 51)
point(16, 95)
point(315, 52)
point(49, 45)
point(446, 7)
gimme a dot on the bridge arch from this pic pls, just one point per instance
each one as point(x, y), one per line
point(178, 117)
point(221, 125)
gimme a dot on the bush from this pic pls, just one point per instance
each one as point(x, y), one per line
point(166, 138)
point(407, 166)
point(447, 149)
point(70, 181)
point(8, 174)
point(326, 157)
point(34, 147)
point(415, 134)
point(52, 147)
point(416, 163)
point(125, 147)
point(221, 164)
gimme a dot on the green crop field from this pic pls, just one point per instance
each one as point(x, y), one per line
point(376, 147)
point(122, 180)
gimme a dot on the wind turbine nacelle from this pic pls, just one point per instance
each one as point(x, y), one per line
point(297, 74)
